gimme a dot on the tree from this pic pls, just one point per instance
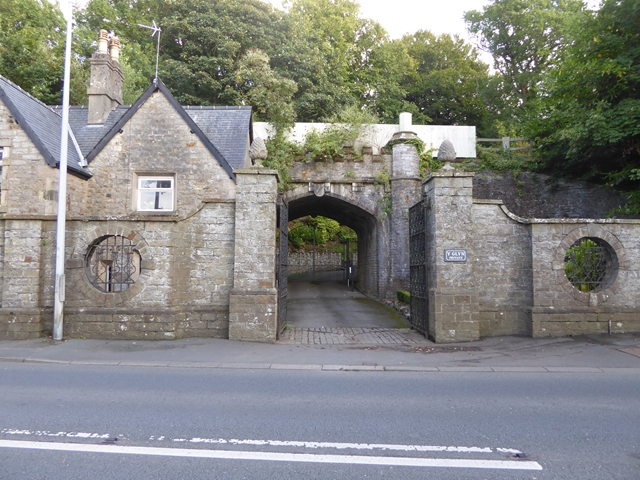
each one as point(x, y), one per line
point(138, 48)
point(32, 37)
point(524, 37)
point(355, 53)
point(447, 82)
point(270, 95)
point(589, 122)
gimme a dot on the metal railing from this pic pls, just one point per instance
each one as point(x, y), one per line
point(506, 143)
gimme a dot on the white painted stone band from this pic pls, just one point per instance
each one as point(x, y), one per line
point(276, 457)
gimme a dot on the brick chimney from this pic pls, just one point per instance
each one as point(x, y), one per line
point(105, 85)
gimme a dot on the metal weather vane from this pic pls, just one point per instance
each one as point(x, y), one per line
point(154, 29)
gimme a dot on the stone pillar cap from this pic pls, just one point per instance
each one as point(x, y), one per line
point(446, 152)
point(404, 136)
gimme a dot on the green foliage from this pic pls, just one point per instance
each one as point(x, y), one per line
point(427, 162)
point(304, 64)
point(270, 95)
point(301, 231)
point(382, 179)
point(356, 62)
point(281, 155)
point(584, 266)
point(446, 82)
point(588, 125)
point(500, 161)
point(347, 233)
point(345, 127)
point(318, 145)
point(32, 38)
point(404, 296)
point(524, 37)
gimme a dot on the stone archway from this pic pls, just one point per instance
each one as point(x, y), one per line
point(371, 242)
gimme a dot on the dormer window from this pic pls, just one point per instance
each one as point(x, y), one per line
point(156, 194)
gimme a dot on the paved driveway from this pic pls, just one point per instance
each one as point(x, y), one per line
point(326, 311)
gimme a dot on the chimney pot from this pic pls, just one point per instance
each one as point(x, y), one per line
point(114, 49)
point(103, 41)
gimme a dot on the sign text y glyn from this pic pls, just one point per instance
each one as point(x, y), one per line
point(455, 255)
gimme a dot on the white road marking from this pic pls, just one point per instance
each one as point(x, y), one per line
point(273, 443)
point(46, 433)
point(340, 446)
point(276, 457)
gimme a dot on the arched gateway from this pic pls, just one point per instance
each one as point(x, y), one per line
point(171, 228)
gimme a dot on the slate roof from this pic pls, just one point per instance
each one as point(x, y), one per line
point(228, 128)
point(155, 86)
point(88, 136)
point(225, 131)
point(43, 126)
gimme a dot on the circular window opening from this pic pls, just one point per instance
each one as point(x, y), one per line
point(112, 264)
point(590, 264)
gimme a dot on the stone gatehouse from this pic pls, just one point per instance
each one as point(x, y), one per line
point(171, 228)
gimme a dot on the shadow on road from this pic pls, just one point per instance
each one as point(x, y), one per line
point(327, 302)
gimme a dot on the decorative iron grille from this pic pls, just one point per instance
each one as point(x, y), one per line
point(586, 264)
point(418, 268)
point(113, 264)
point(283, 265)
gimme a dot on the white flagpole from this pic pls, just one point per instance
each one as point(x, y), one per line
point(58, 306)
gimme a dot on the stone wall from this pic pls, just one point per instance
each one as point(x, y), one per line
point(452, 287)
point(514, 281)
point(503, 270)
point(302, 262)
point(29, 185)
point(253, 303)
point(562, 309)
point(534, 195)
point(187, 254)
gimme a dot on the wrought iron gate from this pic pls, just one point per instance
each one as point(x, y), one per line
point(418, 267)
point(283, 264)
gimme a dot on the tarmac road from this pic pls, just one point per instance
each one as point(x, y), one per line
point(61, 421)
point(499, 408)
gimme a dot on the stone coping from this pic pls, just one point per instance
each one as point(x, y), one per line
point(528, 221)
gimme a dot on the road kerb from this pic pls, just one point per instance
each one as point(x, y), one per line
point(259, 366)
point(519, 369)
point(574, 370)
point(292, 366)
point(144, 364)
point(402, 368)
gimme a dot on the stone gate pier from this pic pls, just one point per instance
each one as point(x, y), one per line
point(490, 272)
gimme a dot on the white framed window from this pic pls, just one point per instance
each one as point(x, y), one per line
point(156, 194)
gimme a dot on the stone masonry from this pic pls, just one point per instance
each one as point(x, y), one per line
point(253, 303)
point(513, 281)
point(453, 292)
point(206, 264)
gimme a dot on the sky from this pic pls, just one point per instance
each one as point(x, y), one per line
point(408, 16)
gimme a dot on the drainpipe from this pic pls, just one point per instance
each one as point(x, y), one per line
point(58, 306)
